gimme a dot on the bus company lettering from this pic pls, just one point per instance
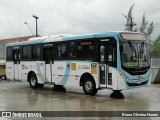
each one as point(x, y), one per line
point(60, 68)
point(84, 67)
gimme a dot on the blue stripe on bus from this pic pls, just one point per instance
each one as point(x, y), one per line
point(106, 34)
point(66, 74)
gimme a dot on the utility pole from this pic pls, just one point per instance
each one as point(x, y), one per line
point(36, 17)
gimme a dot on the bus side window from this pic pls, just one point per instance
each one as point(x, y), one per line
point(62, 51)
point(85, 49)
point(59, 51)
point(71, 52)
point(9, 54)
point(28, 54)
point(24, 52)
point(36, 52)
point(79, 54)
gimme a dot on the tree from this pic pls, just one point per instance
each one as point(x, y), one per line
point(143, 25)
point(144, 28)
point(150, 29)
point(130, 24)
point(156, 48)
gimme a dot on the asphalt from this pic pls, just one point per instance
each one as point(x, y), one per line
point(18, 96)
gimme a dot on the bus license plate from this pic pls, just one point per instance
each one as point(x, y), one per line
point(139, 82)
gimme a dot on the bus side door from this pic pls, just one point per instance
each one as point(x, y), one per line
point(48, 57)
point(107, 61)
point(16, 60)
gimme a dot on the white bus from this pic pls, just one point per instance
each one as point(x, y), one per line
point(113, 60)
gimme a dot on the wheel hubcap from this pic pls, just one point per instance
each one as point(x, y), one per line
point(33, 81)
point(88, 86)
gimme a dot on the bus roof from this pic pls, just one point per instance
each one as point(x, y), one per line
point(64, 37)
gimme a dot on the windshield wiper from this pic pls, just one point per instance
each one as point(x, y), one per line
point(141, 49)
point(132, 48)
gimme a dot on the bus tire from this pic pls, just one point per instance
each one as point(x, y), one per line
point(33, 81)
point(89, 87)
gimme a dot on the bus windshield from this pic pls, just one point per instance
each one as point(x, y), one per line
point(134, 54)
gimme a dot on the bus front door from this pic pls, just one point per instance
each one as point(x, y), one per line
point(107, 58)
point(48, 56)
point(16, 59)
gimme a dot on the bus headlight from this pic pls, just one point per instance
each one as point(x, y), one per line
point(123, 76)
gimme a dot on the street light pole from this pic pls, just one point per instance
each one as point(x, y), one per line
point(28, 27)
point(36, 17)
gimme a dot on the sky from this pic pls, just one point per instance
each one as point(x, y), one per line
point(73, 16)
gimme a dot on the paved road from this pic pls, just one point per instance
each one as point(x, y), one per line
point(18, 96)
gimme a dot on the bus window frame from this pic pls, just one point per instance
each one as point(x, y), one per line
point(94, 51)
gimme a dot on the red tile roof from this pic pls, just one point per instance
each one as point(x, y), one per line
point(19, 39)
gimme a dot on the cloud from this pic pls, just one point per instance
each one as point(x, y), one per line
point(71, 16)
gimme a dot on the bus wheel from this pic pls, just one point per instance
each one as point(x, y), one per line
point(33, 81)
point(89, 87)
